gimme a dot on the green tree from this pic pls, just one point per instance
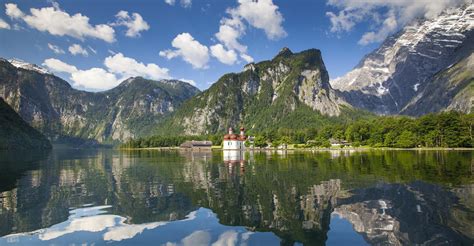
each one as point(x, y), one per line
point(339, 135)
point(406, 140)
point(326, 143)
point(432, 139)
point(276, 143)
point(260, 141)
point(389, 139)
point(285, 140)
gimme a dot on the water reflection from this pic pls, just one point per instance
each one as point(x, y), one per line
point(387, 197)
point(91, 226)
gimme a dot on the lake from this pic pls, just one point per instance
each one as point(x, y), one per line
point(373, 197)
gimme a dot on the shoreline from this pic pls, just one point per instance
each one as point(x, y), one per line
point(302, 149)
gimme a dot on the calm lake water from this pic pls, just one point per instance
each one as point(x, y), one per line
point(98, 197)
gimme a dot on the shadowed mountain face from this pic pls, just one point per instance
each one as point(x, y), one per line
point(389, 197)
point(15, 133)
point(426, 67)
point(52, 106)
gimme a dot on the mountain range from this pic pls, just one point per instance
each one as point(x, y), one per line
point(61, 112)
point(428, 66)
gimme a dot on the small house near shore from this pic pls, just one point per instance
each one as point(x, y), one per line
point(196, 144)
point(234, 141)
point(338, 143)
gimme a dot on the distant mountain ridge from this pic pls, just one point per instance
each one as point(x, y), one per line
point(399, 77)
point(52, 106)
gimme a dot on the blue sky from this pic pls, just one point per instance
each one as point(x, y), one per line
point(95, 44)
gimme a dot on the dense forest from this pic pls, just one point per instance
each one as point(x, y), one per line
point(447, 129)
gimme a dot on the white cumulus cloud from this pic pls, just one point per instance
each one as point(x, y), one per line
point(389, 26)
point(59, 23)
point(246, 58)
point(13, 11)
point(118, 68)
point(56, 49)
point(59, 66)
point(228, 57)
point(189, 49)
point(94, 78)
point(262, 14)
point(134, 23)
point(170, 2)
point(4, 24)
point(77, 49)
point(129, 67)
point(387, 15)
point(230, 31)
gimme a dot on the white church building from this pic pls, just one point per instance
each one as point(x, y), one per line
point(234, 141)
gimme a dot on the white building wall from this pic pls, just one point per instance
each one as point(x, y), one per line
point(233, 145)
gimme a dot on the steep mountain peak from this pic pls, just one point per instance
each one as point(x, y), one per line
point(250, 66)
point(310, 59)
point(285, 52)
point(28, 66)
point(284, 90)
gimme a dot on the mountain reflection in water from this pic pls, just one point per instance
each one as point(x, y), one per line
point(176, 198)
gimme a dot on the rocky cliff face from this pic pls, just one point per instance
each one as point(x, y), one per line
point(277, 91)
point(51, 105)
point(399, 76)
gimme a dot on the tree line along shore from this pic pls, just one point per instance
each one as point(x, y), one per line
point(441, 130)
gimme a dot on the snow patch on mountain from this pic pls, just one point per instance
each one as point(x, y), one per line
point(28, 66)
point(415, 87)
